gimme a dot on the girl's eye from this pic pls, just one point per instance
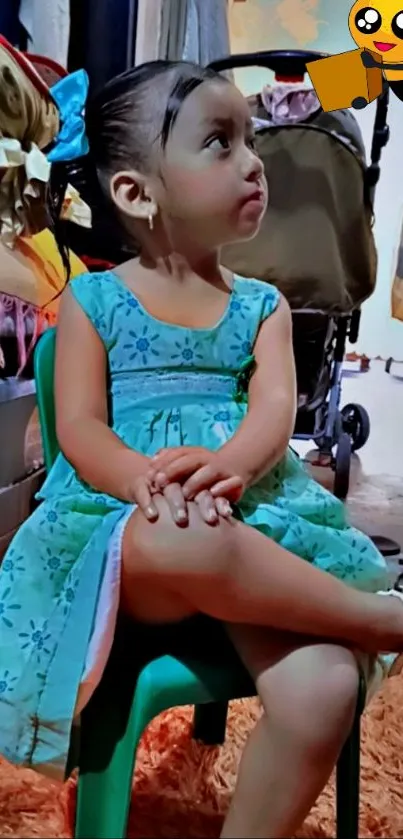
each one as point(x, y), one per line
point(218, 142)
point(251, 143)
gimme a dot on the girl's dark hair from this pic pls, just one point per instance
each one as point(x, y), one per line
point(124, 121)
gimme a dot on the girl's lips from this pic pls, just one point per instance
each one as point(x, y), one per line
point(383, 46)
point(256, 197)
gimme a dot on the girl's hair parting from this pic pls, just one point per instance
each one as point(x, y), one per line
point(132, 114)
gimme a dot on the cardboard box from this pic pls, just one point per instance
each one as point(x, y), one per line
point(342, 79)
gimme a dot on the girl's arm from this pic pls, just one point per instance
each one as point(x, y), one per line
point(263, 437)
point(97, 454)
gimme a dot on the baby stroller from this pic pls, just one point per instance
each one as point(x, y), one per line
point(316, 242)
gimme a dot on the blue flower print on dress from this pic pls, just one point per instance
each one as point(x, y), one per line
point(69, 596)
point(53, 562)
point(100, 324)
point(100, 500)
point(7, 682)
point(219, 422)
point(52, 518)
point(36, 640)
point(355, 565)
point(270, 300)
point(129, 306)
point(238, 308)
point(13, 564)
point(174, 419)
point(7, 609)
point(142, 347)
point(242, 345)
point(187, 351)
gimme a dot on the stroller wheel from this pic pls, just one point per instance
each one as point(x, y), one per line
point(356, 424)
point(342, 467)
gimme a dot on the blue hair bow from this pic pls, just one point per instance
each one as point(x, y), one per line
point(70, 95)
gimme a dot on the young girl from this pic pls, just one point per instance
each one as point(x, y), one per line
point(175, 398)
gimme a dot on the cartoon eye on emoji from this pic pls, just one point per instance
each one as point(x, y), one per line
point(368, 20)
point(378, 28)
point(397, 25)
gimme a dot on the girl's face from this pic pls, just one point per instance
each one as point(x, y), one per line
point(212, 189)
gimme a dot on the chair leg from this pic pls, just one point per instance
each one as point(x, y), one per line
point(108, 744)
point(105, 776)
point(348, 779)
point(210, 722)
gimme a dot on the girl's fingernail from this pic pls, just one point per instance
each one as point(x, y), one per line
point(161, 480)
point(151, 512)
point(181, 515)
point(212, 515)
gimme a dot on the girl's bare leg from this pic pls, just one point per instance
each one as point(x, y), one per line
point(309, 695)
point(236, 574)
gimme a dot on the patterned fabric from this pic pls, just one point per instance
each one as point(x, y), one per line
point(169, 386)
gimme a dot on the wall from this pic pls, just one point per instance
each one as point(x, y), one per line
point(322, 25)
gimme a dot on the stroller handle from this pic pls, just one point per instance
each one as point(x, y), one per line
point(281, 62)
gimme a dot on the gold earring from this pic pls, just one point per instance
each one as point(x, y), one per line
point(151, 221)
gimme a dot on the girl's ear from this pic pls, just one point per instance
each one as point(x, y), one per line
point(131, 195)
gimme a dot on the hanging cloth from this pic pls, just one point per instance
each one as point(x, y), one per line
point(213, 30)
point(47, 23)
point(148, 31)
point(173, 29)
point(194, 30)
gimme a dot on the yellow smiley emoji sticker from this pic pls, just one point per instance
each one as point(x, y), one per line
point(353, 79)
point(378, 28)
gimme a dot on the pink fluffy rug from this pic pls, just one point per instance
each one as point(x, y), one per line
point(183, 789)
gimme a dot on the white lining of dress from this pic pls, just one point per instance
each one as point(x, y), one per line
point(106, 614)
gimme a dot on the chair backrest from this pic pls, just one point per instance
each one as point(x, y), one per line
point(44, 365)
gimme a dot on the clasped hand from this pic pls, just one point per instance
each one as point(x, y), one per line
point(189, 473)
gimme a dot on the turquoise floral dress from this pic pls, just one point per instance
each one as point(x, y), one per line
point(168, 386)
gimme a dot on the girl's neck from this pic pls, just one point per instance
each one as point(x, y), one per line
point(180, 266)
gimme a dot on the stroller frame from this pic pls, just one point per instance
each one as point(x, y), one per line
point(336, 432)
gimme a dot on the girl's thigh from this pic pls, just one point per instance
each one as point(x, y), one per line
point(157, 556)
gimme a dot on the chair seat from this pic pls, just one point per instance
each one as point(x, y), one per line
point(169, 681)
point(190, 663)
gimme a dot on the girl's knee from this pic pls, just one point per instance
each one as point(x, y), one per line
point(315, 704)
point(163, 546)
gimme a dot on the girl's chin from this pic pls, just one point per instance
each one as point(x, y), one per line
point(247, 229)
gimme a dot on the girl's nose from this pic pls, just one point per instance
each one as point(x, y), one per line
point(254, 169)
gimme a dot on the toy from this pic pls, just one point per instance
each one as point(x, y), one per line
point(356, 78)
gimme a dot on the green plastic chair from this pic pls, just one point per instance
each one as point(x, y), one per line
point(151, 670)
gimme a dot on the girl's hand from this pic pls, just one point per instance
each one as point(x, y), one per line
point(197, 469)
point(210, 508)
point(142, 494)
